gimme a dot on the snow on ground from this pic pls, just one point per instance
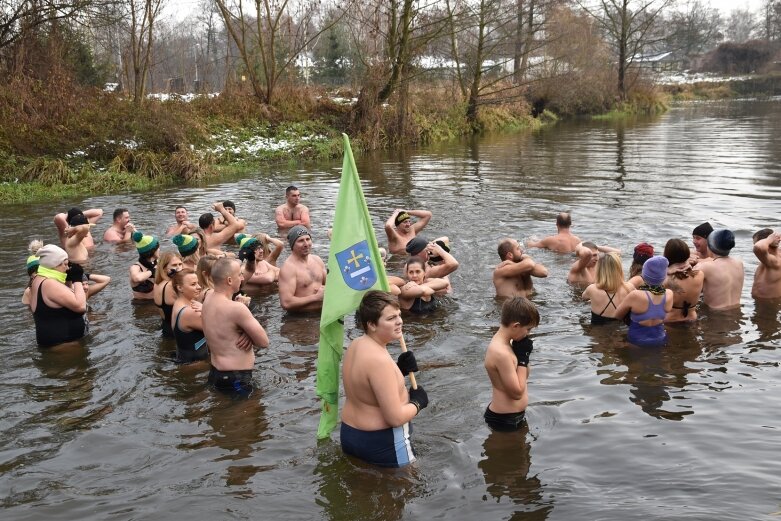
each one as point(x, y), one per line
point(688, 78)
point(257, 145)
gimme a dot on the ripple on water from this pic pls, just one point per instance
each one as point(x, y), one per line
point(113, 428)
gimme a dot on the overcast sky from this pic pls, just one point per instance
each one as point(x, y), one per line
point(180, 8)
point(728, 5)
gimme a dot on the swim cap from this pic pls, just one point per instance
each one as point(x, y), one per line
point(416, 245)
point(78, 220)
point(445, 244)
point(71, 214)
point(721, 241)
point(655, 270)
point(145, 243)
point(643, 252)
point(246, 241)
point(703, 230)
point(187, 244)
point(401, 217)
point(295, 232)
point(51, 256)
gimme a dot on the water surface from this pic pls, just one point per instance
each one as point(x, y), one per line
point(115, 430)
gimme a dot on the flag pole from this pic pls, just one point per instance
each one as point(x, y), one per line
point(412, 380)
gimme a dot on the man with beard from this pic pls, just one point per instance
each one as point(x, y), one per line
point(513, 276)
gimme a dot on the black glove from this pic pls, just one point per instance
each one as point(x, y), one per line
point(522, 349)
point(75, 273)
point(407, 363)
point(246, 254)
point(418, 397)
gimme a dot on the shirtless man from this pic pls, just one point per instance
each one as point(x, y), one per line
point(584, 270)
point(292, 212)
point(700, 240)
point(767, 279)
point(182, 225)
point(220, 223)
point(400, 229)
point(121, 228)
point(513, 276)
point(77, 234)
point(232, 227)
point(302, 276)
point(63, 222)
point(507, 365)
point(724, 274)
point(378, 407)
point(225, 322)
point(563, 241)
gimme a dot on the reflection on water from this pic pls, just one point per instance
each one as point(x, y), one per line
point(116, 429)
point(506, 464)
point(351, 489)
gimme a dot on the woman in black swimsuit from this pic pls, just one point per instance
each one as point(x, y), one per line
point(142, 273)
point(58, 309)
point(609, 289)
point(417, 294)
point(187, 324)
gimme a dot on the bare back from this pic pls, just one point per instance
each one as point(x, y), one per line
point(723, 282)
point(221, 318)
point(563, 242)
point(686, 294)
point(364, 362)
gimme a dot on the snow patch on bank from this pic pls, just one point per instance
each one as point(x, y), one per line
point(689, 78)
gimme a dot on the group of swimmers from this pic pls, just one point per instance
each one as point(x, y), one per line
point(198, 289)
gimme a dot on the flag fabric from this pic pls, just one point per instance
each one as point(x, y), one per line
point(354, 267)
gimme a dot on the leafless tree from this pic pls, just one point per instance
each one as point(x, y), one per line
point(270, 35)
point(17, 16)
point(771, 14)
point(631, 27)
point(741, 25)
point(695, 28)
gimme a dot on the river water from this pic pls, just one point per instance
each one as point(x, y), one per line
point(115, 430)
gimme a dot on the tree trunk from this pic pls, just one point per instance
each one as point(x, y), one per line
point(474, 89)
point(519, 43)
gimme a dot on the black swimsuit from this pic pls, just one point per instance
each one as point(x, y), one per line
point(56, 325)
point(599, 319)
point(168, 311)
point(421, 306)
point(190, 345)
point(145, 286)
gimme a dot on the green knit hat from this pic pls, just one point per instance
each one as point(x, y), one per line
point(33, 261)
point(246, 241)
point(145, 243)
point(187, 244)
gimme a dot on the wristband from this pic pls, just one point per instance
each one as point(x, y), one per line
point(417, 406)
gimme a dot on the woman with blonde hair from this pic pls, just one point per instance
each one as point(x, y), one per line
point(204, 274)
point(187, 323)
point(169, 263)
point(609, 289)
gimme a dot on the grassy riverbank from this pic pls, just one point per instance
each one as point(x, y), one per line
point(95, 142)
point(747, 86)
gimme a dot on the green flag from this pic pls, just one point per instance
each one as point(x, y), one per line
point(354, 267)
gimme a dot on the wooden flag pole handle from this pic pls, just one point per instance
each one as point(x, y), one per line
point(411, 375)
